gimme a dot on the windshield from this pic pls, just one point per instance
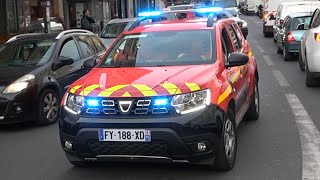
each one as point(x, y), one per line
point(225, 3)
point(162, 49)
point(300, 20)
point(26, 53)
point(114, 30)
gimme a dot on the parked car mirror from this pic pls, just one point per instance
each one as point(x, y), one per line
point(63, 61)
point(90, 63)
point(237, 59)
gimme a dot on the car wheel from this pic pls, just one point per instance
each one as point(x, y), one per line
point(227, 150)
point(254, 107)
point(286, 55)
point(75, 161)
point(310, 80)
point(48, 107)
point(301, 64)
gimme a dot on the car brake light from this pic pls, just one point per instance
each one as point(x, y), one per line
point(290, 37)
point(317, 37)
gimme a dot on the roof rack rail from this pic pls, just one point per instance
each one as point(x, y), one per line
point(63, 33)
point(21, 36)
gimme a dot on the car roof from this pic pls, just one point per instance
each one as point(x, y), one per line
point(300, 2)
point(113, 21)
point(300, 14)
point(176, 25)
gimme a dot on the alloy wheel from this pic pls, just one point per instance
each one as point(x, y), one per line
point(50, 107)
point(229, 139)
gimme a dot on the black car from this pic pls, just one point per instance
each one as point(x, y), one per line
point(35, 70)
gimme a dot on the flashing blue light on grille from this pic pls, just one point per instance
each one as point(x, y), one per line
point(92, 102)
point(151, 13)
point(209, 10)
point(160, 102)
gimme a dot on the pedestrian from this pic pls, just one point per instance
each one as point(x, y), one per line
point(87, 21)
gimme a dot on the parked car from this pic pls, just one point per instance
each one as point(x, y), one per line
point(37, 26)
point(287, 8)
point(309, 52)
point(35, 70)
point(114, 28)
point(290, 34)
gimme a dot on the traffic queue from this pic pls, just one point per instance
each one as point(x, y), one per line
point(172, 86)
point(294, 26)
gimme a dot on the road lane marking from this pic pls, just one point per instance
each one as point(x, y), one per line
point(280, 78)
point(309, 137)
point(268, 60)
point(260, 48)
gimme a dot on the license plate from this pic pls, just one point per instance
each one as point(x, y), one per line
point(270, 22)
point(129, 135)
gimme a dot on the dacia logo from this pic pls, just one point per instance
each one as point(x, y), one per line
point(125, 106)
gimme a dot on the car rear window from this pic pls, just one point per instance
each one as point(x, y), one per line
point(114, 30)
point(300, 20)
point(168, 48)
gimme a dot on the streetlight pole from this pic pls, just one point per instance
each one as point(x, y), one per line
point(47, 17)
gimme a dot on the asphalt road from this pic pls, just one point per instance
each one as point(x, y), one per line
point(268, 149)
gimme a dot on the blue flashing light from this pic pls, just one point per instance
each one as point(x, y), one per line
point(160, 102)
point(209, 10)
point(92, 102)
point(151, 13)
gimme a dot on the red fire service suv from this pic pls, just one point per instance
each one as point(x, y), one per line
point(167, 91)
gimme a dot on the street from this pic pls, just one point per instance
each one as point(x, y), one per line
point(268, 149)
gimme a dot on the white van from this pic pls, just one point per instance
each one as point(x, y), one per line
point(287, 8)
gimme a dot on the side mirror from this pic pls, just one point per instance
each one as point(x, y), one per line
point(237, 59)
point(90, 63)
point(63, 61)
point(302, 26)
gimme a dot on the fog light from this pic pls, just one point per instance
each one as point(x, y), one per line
point(202, 146)
point(18, 109)
point(68, 145)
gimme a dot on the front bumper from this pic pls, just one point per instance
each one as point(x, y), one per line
point(17, 108)
point(173, 139)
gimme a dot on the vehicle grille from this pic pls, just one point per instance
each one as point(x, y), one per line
point(128, 148)
point(129, 107)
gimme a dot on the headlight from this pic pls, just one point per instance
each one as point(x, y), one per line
point(20, 84)
point(74, 104)
point(244, 24)
point(187, 103)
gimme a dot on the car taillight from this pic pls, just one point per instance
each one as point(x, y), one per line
point(290, 37)
point(317, 37)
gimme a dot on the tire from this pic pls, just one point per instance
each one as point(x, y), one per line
point(286, 55)
point(48, 109)
point(75, 161)
point(301, 64)
point(310, 80)
point(224, 162)
point(254, 108)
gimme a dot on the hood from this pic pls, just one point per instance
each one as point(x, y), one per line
point(139, 82)
point(233, 10)
point(298, 34)
point(12, 73)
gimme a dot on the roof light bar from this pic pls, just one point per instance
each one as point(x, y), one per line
point(149, 14)
point(209, 10)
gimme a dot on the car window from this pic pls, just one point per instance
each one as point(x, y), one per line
point(226, 44)
point(27, 53)
point(100, 47)
point(316, 20)
point(313, 18)
point(163, 49)
point(70, 50)
point(287, 24)
point(86, 45)
point(113, 30)
point(239, 33)
point(300, 20)
point(234, 37)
